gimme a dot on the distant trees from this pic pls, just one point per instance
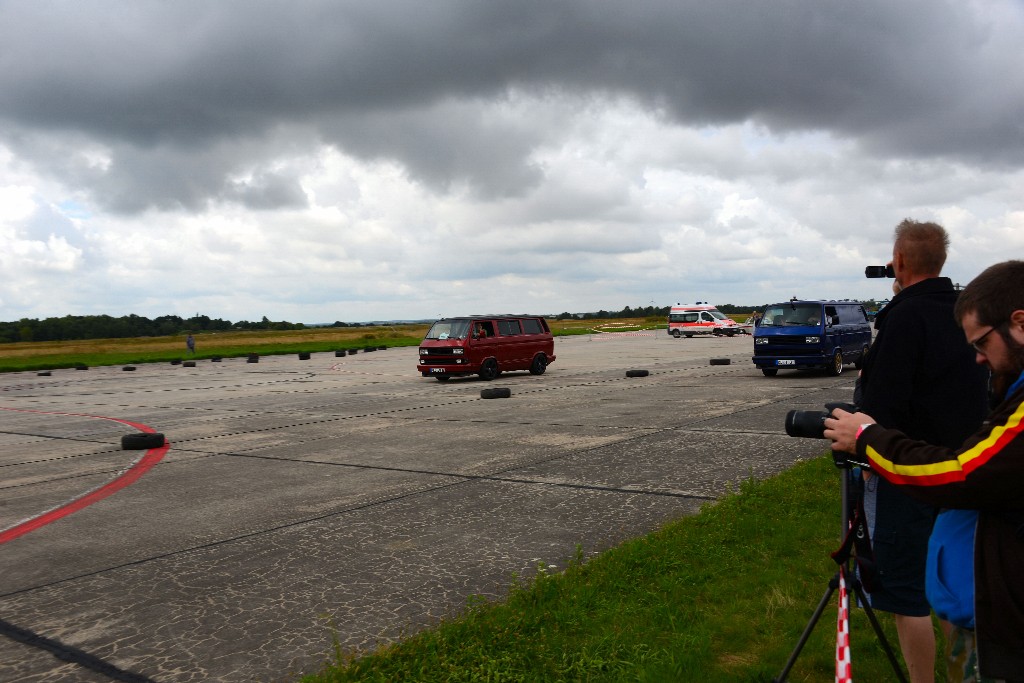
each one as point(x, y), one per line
point(107, 327)
point(647, 312)
point(627, 312)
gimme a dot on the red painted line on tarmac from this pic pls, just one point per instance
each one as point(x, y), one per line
point(125, 478)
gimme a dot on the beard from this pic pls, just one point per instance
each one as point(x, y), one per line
point(1003, 379)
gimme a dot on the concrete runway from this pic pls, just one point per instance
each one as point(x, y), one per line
point(349, 495)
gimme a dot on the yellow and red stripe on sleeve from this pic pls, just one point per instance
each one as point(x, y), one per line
point(955, 469)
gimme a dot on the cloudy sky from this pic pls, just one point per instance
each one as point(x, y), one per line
point(333, 160)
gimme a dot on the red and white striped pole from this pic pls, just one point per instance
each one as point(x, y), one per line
point(843, 674)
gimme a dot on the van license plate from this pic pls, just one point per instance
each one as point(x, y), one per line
point(437, 369)
point(785, 362)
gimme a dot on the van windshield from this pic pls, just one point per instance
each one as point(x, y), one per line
point(448, 329)
point(791, 314)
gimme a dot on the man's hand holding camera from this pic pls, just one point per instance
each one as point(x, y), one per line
point(843, 428)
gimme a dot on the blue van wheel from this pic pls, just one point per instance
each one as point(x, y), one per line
point(836, 367)
point(859, 363)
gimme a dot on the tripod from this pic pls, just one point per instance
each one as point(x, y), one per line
point(842, 558)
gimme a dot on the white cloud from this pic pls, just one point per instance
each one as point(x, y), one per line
point(397, 161)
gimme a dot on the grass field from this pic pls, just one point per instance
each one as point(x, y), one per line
point(96, 352)
point(24, 356)
point(722, 596)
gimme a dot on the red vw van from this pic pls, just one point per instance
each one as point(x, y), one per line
point(486, 346)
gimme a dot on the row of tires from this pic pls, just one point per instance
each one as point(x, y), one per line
point(252, 358)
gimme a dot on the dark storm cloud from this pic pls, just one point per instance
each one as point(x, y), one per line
point(916, 78)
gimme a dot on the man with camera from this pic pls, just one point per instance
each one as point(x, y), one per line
point(919, 378)
point(984, 473)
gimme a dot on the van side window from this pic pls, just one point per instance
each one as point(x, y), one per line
point(531, 326)
point(853, 315)
point(507, 327)
point(830, 314)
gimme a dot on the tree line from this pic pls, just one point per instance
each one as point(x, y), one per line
point(647, 312)
point(72, 327)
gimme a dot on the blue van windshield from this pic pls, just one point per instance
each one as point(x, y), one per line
point(782, 315)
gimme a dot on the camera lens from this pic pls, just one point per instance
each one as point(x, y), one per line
point(808, 424)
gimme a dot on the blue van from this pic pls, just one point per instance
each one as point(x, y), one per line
point(811, 334)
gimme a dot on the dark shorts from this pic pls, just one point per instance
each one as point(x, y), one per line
point(900, 527)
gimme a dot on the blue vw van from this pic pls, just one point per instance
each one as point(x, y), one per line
point(811, 334)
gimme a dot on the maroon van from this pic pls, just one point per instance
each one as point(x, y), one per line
point(486, 345)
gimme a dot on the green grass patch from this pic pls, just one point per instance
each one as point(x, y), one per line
point(100, 352)
point(24, 356)
point(721, 596)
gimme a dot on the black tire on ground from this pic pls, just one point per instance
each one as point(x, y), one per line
point(835, 368)
point(338, 354)
point(253, 358)
point(188, 364)
point(304, 355)
point(721, 361)
point(128, 368)
point(539, 364)
point(176, 361)
point(489, 370)
point(496, 392)
point(367, 349)
point(770, 372)
point(353, 352)
point(442, 378)
point(382, 348)
point(215, 359)
point(81, 367)
point(637, 373)
point(141, 441)
point(859, 363)
point(44, 373)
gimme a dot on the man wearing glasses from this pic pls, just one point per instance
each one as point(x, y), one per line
point(985, 473)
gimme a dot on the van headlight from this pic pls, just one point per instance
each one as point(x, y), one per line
point(760, 340)
point(812, 340)
point(423, 352)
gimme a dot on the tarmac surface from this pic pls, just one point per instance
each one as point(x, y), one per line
point(348, 497)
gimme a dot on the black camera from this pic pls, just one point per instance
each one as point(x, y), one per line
point(810, 424)
point(879, 271)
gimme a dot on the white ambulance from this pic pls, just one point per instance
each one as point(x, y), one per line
point(701, 318)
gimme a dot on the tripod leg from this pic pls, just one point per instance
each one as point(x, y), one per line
point(858, 590)
point(833, 584)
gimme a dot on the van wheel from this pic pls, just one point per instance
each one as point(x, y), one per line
point(836, 367)
point(489, 370)
point(859, 363)
point(539, 364)
point(675, 333)
point(770, 372)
